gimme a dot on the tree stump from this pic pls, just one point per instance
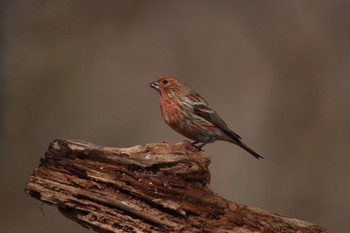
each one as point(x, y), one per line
point(156, 187)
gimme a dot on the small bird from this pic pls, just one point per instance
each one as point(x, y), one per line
point(190, 115)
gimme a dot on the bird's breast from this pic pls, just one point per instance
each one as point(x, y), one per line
point(171, 111)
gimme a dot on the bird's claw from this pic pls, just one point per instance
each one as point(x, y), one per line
point(198, 147)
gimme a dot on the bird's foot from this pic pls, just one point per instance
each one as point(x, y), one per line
point(198, 147)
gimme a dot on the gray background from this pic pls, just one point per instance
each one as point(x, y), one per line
point(276, 71)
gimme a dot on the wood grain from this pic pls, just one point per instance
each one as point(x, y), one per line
point(155, 187)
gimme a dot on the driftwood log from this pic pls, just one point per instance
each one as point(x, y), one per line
point(151, 188)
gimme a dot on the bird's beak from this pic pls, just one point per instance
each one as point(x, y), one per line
point(154, 85)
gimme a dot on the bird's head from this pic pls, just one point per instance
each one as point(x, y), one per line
point(170, 87)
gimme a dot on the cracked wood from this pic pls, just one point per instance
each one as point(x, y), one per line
point(156, 187)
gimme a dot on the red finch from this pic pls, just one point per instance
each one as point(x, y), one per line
point(190, 115)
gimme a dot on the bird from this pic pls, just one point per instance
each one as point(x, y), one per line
point(189, 114)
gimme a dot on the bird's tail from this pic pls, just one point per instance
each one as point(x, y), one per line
point(248, 149)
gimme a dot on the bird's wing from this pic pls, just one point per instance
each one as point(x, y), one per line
point(201, 108)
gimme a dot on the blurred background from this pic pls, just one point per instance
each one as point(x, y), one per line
point(276, 71)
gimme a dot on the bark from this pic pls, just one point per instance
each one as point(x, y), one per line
point(151, 188)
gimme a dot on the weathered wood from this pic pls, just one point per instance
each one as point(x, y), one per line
point(151, 188)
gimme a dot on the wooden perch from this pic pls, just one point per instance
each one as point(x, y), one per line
point(151, 188)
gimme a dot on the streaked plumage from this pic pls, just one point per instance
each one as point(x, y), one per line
point(190, 115)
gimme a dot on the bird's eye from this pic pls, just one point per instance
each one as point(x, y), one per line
point(165, 81)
